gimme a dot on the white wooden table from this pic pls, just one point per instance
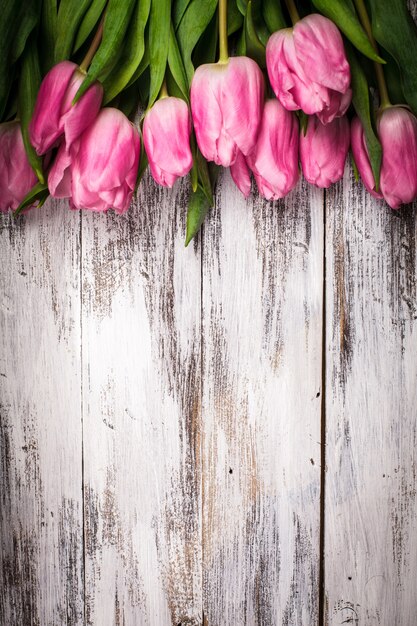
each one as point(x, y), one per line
point(223, 435)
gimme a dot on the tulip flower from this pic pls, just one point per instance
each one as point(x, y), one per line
point(397, 129)
point(323, 150)
point(104, 164)
point(308, 69)
point(226, 104)
point(54, 115)
point(274, 161)
point(166, 136)
point(16, 175)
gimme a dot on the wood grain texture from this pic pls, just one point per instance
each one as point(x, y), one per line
point(371, 410)
point(40, 418)
point(262, 339)
point(141, 408)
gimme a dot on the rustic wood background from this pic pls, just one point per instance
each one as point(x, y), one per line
point(223, 435)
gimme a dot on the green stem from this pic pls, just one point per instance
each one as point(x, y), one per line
point(292, 10)
point(224, 52)
point(85, 64)
point(163, 93)
point(379, 72)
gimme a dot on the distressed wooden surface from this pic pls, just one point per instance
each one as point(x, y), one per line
point(262, 321)
point(371, 410)
point(41, 574)
point(163, 412)
point(141, 408)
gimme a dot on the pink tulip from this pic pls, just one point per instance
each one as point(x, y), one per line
point(55, 115)
point(397, 129)
point(360, 155)
point(274, 161)
point(104, 164)
point(308, 69)
point(323, 150)
point(166, 135)
point(241, 174)
point(226, 104)
point(16, 175)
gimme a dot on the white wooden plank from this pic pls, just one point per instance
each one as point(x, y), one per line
point(40, 417)
point(262, 321)
point(141, 405)
point(371, 410)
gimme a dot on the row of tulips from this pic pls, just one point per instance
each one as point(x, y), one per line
point(92, 153)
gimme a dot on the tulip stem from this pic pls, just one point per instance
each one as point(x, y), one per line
point(163, 93)
point(85, 64)
point(379, 72)
point(224, 51)
point(292, 10)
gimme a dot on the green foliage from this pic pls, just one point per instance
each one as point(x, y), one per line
point(394, 29)
point(363, 107)
point(29, 82)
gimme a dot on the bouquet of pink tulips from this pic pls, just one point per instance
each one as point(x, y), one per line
point(264, 87)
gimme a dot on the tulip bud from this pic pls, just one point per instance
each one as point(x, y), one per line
point(166, 136)
point(16, 175)
point(397, 129)
point(104, 164)
point(308, 69)
point(274, 161)
point(323, 150)
point(226, 104)
point(54, 113)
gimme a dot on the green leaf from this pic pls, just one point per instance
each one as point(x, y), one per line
point(143, 163)
point(178, 10)
point(17, 20)
point(343, 14)
point(177, 66)
point(29, 18)
point(70, 14)
point(29, 82)
point(254, 48)
point(273, 16)
point(361, 102)
point(159, 30)
point(143, 65)
point(234, 18)
point(242, 6)
point(198, 207)
point(39, 193)
point(259, 24)
point(204, 180)
point(89, 22)
point(116, 22)
point(206, 49)
point(195, 21)
point(393, 79)
point(132, 53)
point(48, 34)
point(394, 29)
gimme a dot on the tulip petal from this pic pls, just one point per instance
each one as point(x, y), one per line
point(166, 136)
point(241, 175)
point(360, 154)
point(397, 129)
point(45, 128)
point(321, 52)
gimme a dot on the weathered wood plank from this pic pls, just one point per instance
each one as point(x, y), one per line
point(371, 410)
point(40, 418)
point(141, 406)
point(262, 340)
